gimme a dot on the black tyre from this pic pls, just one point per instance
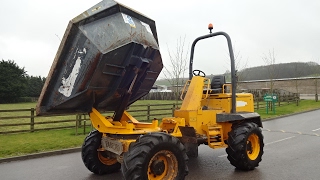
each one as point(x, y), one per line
point(97, 162)
point(155, 156)
point(245, 146)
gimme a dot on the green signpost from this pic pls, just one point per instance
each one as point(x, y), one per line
point(270, 98)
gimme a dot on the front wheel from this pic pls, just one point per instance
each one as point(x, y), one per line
point(154, 157)
point(245, 146)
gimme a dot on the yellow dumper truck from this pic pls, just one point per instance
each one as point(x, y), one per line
point(109, 58)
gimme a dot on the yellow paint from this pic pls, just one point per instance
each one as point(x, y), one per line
point(253, 142)
point(126, 143)
point(127, 124)
point(105, 160)
point(194, 94)
point(198, 110)
point(170, 163)
point(171, 125)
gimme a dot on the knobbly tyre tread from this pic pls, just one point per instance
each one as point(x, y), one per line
point(136, 159)
point(90, 158)
point(237, 143)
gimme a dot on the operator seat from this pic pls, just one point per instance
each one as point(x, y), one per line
point(217, 83)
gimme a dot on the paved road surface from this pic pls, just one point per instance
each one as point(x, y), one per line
point(292, 151)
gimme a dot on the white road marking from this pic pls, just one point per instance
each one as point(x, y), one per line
point(223, 155)
point(267, 143)
point(316, 129)
point(279, 140)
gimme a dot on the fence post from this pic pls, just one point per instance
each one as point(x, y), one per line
point(173, 108)
point(258, 104)
point(148, 113)
point(32, 120)
point(77, 123)
point(79, 120)
point(84, 126)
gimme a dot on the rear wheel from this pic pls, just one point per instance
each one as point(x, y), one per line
point(245, 146)
point(154, 157)
point(96, 161)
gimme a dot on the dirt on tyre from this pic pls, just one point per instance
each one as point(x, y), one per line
point(245, 146)
point(96, 161)
point(155, 156)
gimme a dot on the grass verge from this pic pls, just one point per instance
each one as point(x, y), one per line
point(41, 141)
point(304, 105)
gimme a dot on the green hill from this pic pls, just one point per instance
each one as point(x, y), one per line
point(275, 71)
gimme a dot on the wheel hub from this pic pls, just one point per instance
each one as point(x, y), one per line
point(157, 167)
point(105, 159)
point(249, 147)
point(253, 147)
point(163, 165)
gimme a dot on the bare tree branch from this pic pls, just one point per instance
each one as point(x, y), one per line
point(174, 72)
point(270, 60)
point(239, 66)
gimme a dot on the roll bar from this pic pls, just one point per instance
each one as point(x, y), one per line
point(233, 71)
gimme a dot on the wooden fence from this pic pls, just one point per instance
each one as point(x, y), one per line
point(25, 120)
point(282, 101)
point(159, 96)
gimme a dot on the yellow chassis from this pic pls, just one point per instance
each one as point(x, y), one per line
point(198, 110)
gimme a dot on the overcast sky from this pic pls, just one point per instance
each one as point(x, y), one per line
point(31, 30)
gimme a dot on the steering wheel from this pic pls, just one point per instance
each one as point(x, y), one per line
point(197, 72)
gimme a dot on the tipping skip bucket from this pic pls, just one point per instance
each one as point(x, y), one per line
point(109, 57)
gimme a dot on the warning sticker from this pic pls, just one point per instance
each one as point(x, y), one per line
point(127, 19)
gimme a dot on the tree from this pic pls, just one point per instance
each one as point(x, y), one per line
point(296, 73)
point(270, 61)
point(287, 70)
point(12, 81)
point(240, 66)
point(297, 70)
point(174, 73)
point(317, 69)
point(34, 86)
point(227, 75)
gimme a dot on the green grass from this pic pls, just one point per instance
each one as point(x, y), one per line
point(41, 141)
point(18, 106)
point(304, 105)
point(26, 143)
